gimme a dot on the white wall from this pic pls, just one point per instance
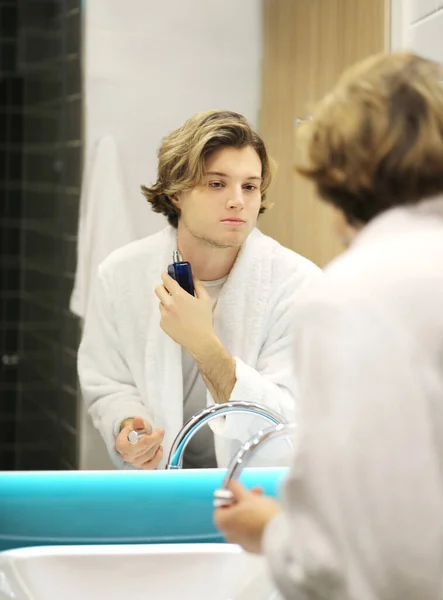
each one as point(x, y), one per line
point(149, 65)
point(417, 25)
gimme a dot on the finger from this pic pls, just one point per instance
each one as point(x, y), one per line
point(153, 439)
point(200, 290)
point(138, 423)
point(149, 440)
point(225, 518)
point(238, 490)
point(122, 444)
point(143, 454)
point(148, 443)
point(171, 285)
point(163, 295)
point(154, 462)
point(219, 518)
point(146, 451)
point(162, 310)
point(141, 459)
point(138, 453)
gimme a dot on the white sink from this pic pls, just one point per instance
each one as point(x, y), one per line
point(134, 572)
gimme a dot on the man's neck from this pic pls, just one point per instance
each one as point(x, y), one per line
point(208, 262)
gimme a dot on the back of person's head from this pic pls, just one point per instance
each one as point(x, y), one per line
point(183, 153)
point(376, 141)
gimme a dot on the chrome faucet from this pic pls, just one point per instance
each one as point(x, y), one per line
point(223, 496)
point(175, 459)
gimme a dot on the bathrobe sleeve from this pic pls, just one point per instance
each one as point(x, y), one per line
point(363, 500)
point(106, 383)
point(271, 380)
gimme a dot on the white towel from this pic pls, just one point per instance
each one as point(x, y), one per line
point(105, 220)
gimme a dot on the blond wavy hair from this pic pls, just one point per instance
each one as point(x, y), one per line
point(182, 156)
point(376, 141)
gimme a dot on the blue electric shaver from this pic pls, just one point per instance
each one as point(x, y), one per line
point(182, 273)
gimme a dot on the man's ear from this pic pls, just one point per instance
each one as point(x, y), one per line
point(174, 199)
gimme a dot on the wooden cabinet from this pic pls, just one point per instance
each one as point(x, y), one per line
point(307, 45)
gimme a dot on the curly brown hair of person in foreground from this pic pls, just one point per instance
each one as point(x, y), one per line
point(376, 141)
point(182, 156)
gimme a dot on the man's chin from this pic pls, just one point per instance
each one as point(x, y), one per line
point(226, 239)
point(231, 239)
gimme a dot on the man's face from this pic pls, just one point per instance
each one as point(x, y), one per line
point(224, 209)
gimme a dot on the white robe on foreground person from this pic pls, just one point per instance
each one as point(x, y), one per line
point(363, 515)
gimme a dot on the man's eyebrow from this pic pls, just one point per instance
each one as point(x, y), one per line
point(219, 174)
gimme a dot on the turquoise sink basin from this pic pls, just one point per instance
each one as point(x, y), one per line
point(115, 507)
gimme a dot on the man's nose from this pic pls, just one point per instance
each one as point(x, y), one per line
point(236, 199)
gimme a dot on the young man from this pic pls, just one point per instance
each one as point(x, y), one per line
point(363, 509)
point(152, 355)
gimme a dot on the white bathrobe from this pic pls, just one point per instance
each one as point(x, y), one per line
point(129, 367)
point(364, 501)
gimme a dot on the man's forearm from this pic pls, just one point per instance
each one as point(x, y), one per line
point(217, 367)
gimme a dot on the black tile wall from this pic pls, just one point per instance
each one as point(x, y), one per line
point(11, 127)
point(40, 175)
point(8, 19)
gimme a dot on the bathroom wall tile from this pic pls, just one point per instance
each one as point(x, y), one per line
point(7, 57)
point(15, 130)
point(8, 20)
point(426, 38)
point(8, 399)
point(71, 332)
point(73, 5)
point(10, 235)
point(419, 9)
point(68, 444)
point(7, 459)
point(72, 163)
point(69, 225)
point(74, 83)
point(73, 112)
point(68, 407)
point(13, 204)
point(36, 459)
point(73, 26)
point(40, 178)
